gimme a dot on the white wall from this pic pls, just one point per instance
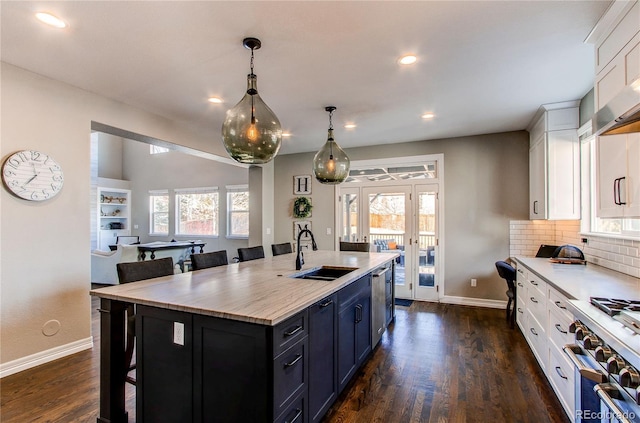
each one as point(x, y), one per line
point(175, 170)
point(486, 186)
point(44, 247)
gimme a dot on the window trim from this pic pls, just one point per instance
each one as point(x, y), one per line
point(232, 189)
point(152, 213)
point(198, 190)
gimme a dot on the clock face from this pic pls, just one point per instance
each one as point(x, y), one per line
point(32, 175)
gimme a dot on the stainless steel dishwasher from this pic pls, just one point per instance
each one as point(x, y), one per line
point(378, 305)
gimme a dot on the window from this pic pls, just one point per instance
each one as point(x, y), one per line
point(154, 149)
point(626, 227)
point(237, 212)
point(159, 212)
point(197, 211)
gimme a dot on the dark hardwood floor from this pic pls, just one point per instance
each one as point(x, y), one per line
point(437, 363)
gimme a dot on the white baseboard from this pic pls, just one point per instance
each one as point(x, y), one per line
point(42, 357)
point(477, 302)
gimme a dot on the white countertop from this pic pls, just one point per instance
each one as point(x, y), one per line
point(258, 291)
point(579, 283)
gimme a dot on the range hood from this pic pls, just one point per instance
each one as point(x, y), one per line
point(621, 115)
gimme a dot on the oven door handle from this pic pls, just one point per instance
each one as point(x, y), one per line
point(605, 391)
point(572, 351)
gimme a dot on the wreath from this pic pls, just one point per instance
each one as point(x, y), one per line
point(302, 207)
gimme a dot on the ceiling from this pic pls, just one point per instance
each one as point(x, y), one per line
point(483, 66)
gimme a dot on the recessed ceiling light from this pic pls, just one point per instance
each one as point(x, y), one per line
point(215, 100)
point(428, 116)
point(49, 19)
point(409, 59)
point(350, 125)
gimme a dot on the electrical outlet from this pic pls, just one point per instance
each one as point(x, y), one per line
point(178, 333)
point(474, 282)
point(585, 240)
point(328, 231)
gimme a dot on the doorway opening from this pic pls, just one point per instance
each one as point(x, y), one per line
point(398, 207)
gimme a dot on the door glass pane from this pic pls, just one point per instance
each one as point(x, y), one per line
point(387, 227)
point(349, 217)
point(427, 238)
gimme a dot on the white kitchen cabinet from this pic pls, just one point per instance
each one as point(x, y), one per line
point(554, 164)
point(114, 215)
point(617, 50)
point(543, 317)
point(618, 176)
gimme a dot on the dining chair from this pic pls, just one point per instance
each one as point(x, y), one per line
point(250, 253)
point(133, 272)
point(354, 246)
point(508, 273)
point(283, 248)
point(206, 260)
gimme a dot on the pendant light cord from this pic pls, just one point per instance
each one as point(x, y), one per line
point(331, 129)
point(252, 93)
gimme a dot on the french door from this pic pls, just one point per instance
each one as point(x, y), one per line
point(400, 219)
point(387, 226)
point(426, 234)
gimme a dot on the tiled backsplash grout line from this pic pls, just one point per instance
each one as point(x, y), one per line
point(622, 255)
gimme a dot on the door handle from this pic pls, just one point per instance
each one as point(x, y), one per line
point(535, 207)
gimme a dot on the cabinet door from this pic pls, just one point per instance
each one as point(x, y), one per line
point(563, 164)
point(363, 328)
point(164, 377)
point(323, 384)
point(537, 180)
point(347, 361)
point(632, 182)
point(611, 160)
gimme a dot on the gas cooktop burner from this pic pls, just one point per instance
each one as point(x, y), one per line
point(613, 306)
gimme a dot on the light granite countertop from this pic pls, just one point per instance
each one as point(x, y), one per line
point(258, 291)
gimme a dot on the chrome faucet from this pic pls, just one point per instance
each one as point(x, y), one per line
point(300, 256)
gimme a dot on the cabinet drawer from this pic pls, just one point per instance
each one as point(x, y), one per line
point(521, 315)
point(561, 376)
point(537, 306)
point(289, 332)
point(537, 341)
point(289, 376)
point(558, 329)
point(534, 282)
point(558, 303)
point(295, 413)
point(521, 277)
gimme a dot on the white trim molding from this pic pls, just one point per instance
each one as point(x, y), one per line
point(46, 356)
point(476, 302)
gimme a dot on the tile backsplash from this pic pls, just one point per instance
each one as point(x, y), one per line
point(621, 255)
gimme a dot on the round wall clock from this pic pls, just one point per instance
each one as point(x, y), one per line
point(32, 175)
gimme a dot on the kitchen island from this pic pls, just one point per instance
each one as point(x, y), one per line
point(242, 342)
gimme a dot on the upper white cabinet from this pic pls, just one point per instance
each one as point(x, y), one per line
point(616, 38)
point(554, 163)
point(618, 170)
point(617, 50)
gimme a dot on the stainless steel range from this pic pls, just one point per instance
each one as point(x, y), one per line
point(606, 355)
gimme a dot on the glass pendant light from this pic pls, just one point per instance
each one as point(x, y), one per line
point(251, 132)
point(331, 164)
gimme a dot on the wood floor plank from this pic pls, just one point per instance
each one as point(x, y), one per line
point(438, 363)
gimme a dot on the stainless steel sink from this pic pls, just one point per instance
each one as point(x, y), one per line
point(324, 273)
